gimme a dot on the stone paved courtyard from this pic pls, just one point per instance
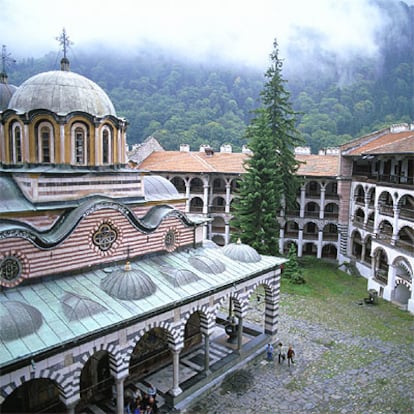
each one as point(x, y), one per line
point(340, 368)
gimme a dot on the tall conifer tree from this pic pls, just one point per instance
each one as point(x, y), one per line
point(270, 181)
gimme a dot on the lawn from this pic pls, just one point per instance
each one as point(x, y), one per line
point(332, 297)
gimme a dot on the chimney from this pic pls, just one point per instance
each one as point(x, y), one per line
point(226, 148)
point(184, 148)
point(246, 150)
point(302, 151)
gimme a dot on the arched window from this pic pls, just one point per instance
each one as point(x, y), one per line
point(106, 145)
point(44, 143)
point(80, 150)
point(15, 145)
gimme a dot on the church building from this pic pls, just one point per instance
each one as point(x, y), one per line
point(106, 283)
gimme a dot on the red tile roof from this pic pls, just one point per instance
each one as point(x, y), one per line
point(382, 142)
point(199, 162)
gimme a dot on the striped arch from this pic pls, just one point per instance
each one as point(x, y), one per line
point(61, 381)
point(207, 320)
point(240, 303)
point(174, 339)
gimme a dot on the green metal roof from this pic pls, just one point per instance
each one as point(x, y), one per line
point(50, 298)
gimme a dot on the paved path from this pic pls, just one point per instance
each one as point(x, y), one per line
point(335, 372)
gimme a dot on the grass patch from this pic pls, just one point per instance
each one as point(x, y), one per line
point(333, 298)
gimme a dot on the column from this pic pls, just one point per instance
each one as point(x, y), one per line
point(322, 202)
point(27, 156)
point(227, 207)
point(319, 247)
point(394, 237)
point(176, 390)
point(389, 289)
point(187, 195)
point(62, 143)
point(205, 199)
point(240, 334)
point(120, 395)
point(71, 403)
point(302, 202)
point(227, 233)
point(98, 159)
point(300, 243)
point(207, 371)
point(281, 239)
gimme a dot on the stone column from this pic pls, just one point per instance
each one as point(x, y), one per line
point(226, 233)
point(300, 243)
point(302, 202)
point(120, 395)
point(394, 237)
point(207, 371)
point(71, 403)
point(205, 199)
point(97, 154)
point(176, 390)
point(319, 247)
point(322, 201)
point(281, 239)
point(227, 207)
point(187, 195)
point(389, 289)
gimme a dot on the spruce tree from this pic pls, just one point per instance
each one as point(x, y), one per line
point(270, 181)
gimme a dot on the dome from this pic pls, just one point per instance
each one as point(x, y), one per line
point(206, 265)
point(128, 284)
point(61, 92)
point(241, 252)
point(6, 91)
point(179, 277)
point(158, 188)
point(18, 319)
point(77, 307)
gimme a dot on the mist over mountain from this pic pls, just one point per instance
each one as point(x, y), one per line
point(340, 89)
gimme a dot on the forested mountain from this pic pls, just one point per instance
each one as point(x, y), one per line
point(181, 102)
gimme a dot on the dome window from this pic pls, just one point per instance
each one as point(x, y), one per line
point(15, 145)
point(106, 146)
point(80, 147)
point(44, 143)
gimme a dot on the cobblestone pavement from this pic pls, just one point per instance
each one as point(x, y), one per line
point(336, 370)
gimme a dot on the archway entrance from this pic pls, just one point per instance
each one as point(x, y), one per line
point(96, 381)
point(35, 396)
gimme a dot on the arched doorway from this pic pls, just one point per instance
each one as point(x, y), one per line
point(35, 396)
point(96, 381)
point(150, 353)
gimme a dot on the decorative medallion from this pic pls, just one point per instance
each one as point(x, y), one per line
point(105, 236)
point(171, 240)
point(10, 268)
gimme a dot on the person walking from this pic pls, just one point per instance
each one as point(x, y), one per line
point(269, 352)
point(290, 355)
point(280, 354)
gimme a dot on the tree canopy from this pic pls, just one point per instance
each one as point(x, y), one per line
point(270, 181)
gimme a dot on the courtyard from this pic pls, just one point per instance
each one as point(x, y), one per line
point(350, 357)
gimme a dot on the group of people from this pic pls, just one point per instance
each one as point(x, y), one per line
point(281, 355)
point(144, 403)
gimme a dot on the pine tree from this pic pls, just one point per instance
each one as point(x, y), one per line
point(291, 270)
point(270, 182)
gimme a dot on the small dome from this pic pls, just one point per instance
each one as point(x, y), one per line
point(18, 319)
point(241, 252)
point(158, 188)
point(128, 284)
point(206, 265)
point(6, 91)
point(77, 307)
point(61, 92)
point(179, 277)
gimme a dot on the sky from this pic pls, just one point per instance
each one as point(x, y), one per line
point(235, 31)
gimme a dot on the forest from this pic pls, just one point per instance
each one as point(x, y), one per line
point(179, 101)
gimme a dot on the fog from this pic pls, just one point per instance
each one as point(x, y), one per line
point(230, 31)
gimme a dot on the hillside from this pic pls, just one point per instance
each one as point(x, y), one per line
point(180, 102)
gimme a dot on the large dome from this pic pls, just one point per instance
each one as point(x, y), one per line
point(61, 92)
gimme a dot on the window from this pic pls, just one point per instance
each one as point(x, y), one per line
point(106, 146)
point(44, 143)
point(80, 149)
point(15, 145)
point(104, 237)
point(10, 268)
